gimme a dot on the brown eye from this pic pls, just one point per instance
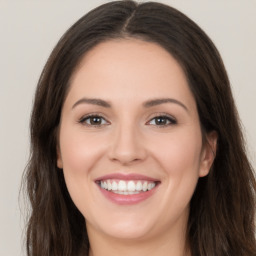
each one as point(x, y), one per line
point(162, 121)
point(93, 121)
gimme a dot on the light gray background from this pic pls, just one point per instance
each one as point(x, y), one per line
point(28, 32)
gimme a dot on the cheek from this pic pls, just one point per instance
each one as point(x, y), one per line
point(79, 154)
point(79, 151)
point(180, 153)
point(180, 160)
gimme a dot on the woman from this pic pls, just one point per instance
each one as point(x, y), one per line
point(136, 143)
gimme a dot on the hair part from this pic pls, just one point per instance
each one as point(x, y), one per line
point(222, 210)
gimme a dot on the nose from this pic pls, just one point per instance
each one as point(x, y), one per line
point(127, 145)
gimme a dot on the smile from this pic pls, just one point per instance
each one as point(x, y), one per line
point(125, 187)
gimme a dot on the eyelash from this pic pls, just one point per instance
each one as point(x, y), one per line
point(169, 119)
point(91, 116)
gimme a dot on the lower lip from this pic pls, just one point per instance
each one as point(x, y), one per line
point(127, 199)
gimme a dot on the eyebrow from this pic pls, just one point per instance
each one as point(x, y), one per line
point(97, 102)
point(155, 102)
point(147, 104)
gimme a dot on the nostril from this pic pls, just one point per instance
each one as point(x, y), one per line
point(126, 147)
point(127, 156)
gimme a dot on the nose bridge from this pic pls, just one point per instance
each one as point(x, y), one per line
point(126, 145)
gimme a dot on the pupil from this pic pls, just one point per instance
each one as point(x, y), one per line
point(160, 121)
point(95, 120)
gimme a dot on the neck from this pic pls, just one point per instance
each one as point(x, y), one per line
point(168, 243)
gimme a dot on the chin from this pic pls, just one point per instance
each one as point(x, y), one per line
point(126, 229)
point(131, 233)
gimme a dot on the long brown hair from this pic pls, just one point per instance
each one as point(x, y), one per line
point(222, 210)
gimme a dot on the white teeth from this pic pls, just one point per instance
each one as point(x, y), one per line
point(131, 186)
point(114, 186)
point(151, 185)
point(125, 193)
point(132, 193)
point(139, 186)
point(127, 187)
point(121, 185)
point(109, 185)
point(145, 186)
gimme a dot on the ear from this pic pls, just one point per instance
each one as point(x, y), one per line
point(208, 153)
point(59, 158)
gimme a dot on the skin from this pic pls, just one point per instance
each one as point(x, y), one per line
point(126, 73)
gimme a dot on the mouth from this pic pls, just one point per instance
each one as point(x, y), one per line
point(127, 189)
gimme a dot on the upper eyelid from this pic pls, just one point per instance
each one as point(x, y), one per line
point(94, 114)
point(162, 115)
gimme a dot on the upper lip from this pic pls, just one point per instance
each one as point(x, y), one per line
point(122, 176)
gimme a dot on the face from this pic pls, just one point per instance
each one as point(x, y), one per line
point(130, 142)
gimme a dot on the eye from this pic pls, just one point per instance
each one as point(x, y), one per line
point(162, 120)
point(93, 120)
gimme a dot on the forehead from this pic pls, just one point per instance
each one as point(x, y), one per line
point(132, 55)
point(129, 68)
